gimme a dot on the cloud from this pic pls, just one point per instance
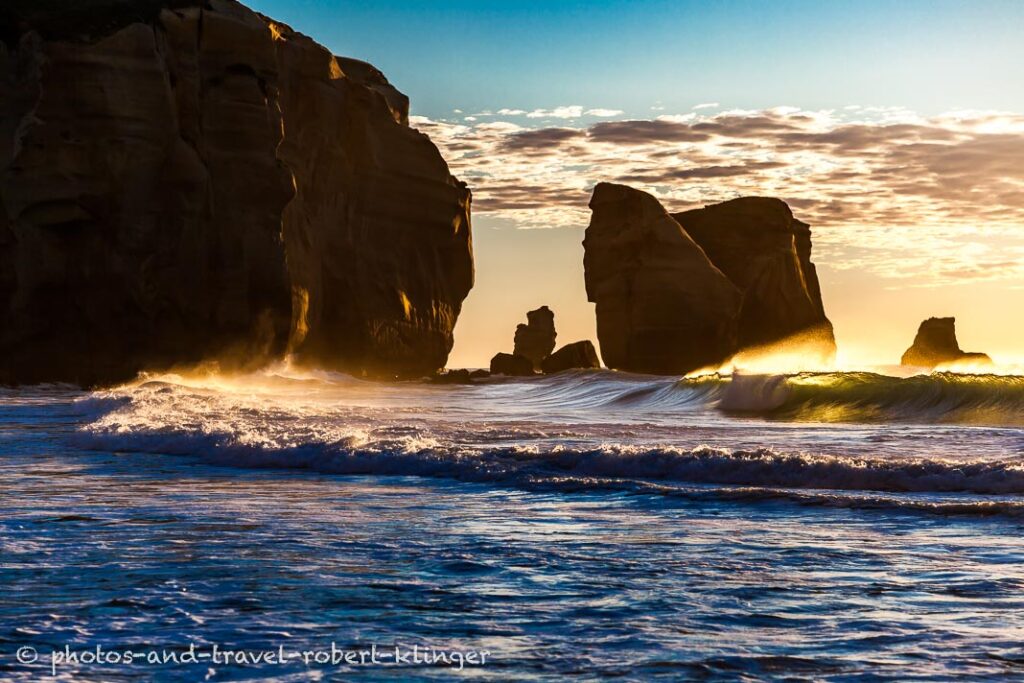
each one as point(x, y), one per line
point(574, 111)
point(643, 132)
point(706, 105)
point(571, 112)
point(874, 182)
point(540, 141)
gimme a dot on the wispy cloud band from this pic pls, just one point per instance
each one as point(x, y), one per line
point(863, 171)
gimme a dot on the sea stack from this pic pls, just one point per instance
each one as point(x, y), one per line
point(185, 180)
point(936, 343)
point(536, 339)
point(766, 252)
point(662, 306)
point(675, 293)
point(533, 346)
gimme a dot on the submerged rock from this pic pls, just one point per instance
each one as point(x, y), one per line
point(536, 339)
point(578, 355)
point(675, 293)
point(936, 343)
point(511, 364)
point(662, 306)
point(186, 180)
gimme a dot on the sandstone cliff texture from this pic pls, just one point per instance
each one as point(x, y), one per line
point(187, 180)
point(675, 293)
point(936, 343)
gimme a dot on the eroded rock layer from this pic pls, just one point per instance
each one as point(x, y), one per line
point(183, 181)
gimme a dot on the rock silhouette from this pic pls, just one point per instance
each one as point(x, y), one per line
point(675, 293)
point(578, 355)
point(763, 250)
point(662, 307)
point(936, 343)
point(511, 364)
point(536, 339)
point(186, 180)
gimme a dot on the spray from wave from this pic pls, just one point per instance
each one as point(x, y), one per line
point(597, 431)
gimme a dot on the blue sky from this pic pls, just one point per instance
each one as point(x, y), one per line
point(930, 56)
point(895, 128)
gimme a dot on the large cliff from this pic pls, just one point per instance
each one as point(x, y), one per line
point(675, 293)
point(188, 180)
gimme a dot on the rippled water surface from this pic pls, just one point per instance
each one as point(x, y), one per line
point(850, 528)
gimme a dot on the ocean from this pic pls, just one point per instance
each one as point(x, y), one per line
point(849, 526)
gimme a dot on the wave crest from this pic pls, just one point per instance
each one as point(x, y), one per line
point(942, 397)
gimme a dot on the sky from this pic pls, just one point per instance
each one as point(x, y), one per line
point(895, 128)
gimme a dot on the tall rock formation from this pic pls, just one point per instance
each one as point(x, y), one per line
point(185, 180)
point(675, 293)
point(536, 339)
point(662, 306)
point(935, 344)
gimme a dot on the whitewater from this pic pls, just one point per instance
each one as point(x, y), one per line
point(805, 526)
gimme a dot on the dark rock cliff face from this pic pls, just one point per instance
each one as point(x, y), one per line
point(183, 181)
point(677, 293)
point(765, 252)
point(662, 306)
point(936, 343)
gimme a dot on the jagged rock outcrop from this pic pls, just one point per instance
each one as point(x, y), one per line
point(512, 365)
point(576, 356)
point(536, 339)
point(677, 293)
point(936, 343)
point(662, 307)
point(185, 180)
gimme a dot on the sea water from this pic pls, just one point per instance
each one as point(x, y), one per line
point(837, 526)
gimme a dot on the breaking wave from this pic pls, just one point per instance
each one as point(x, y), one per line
point(709, 437)
point(942, 397)
point(576, 467)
